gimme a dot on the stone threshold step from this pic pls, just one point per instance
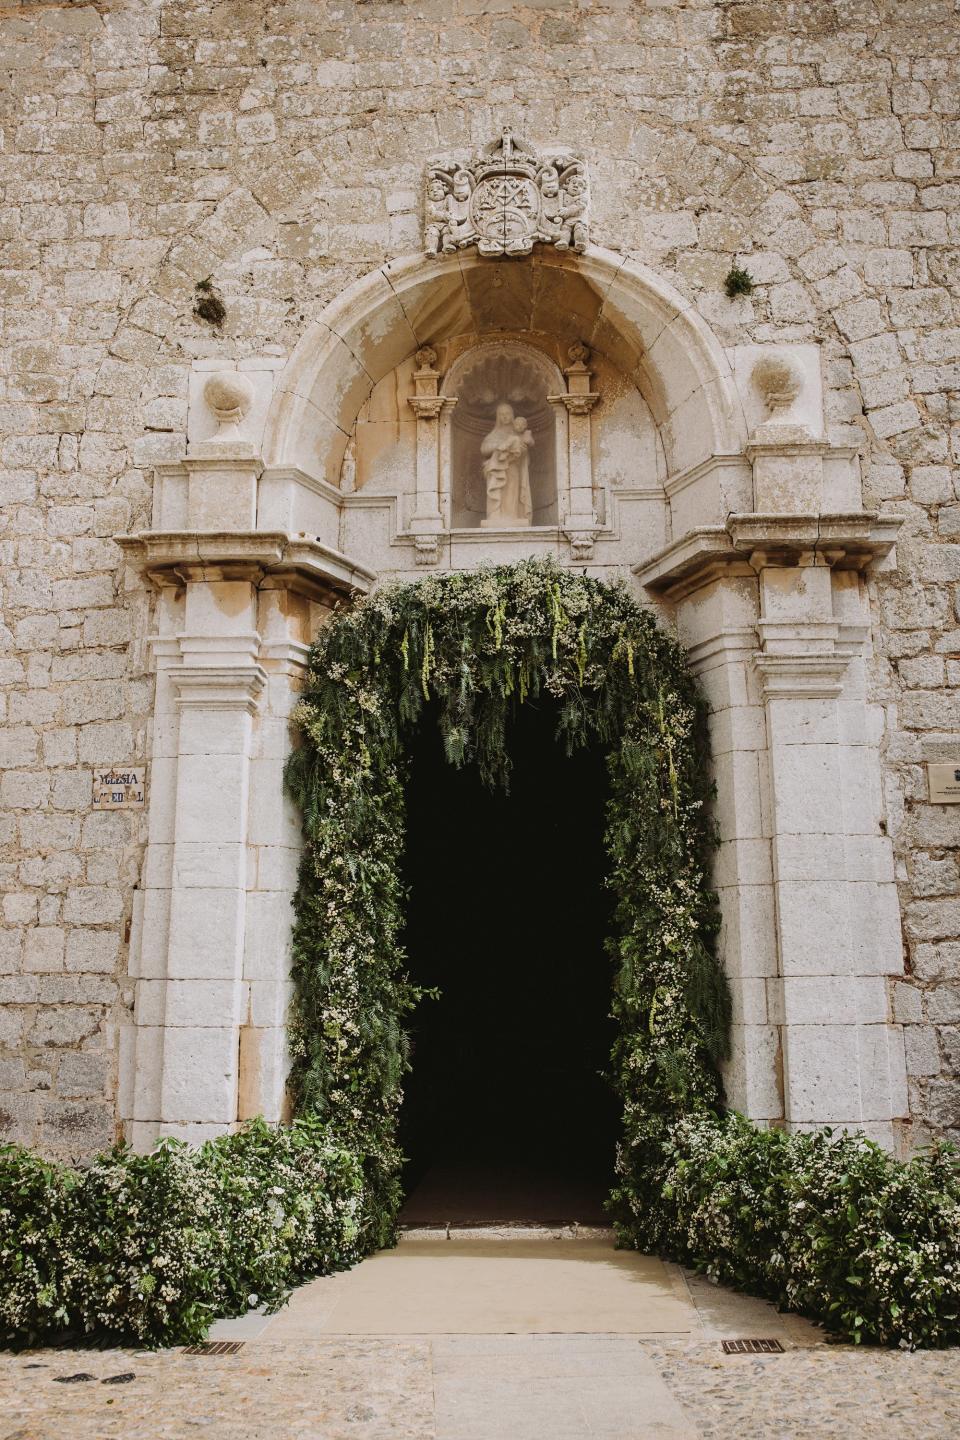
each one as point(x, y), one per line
point(532, 1231)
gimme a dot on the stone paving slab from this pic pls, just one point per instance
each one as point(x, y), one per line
point(427, 1287)
point(563, 1386)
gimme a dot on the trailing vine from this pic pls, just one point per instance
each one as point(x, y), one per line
point(479, 644)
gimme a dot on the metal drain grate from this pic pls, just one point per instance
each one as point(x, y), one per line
point(752, 1347)
point(214, 1347)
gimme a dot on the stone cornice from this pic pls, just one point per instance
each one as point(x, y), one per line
point(801, 676)
point(680, 479)
point(748, 542)
point(272, 559)
point(218, 687)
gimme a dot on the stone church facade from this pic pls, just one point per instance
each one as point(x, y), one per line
point(272, 278)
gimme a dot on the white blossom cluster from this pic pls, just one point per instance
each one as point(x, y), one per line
point(152, 1248)
point(831, 1226)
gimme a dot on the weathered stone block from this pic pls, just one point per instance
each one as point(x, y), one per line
point(74, 1129)
point(83, 1074)
point(92, 905)
point(942, 1004)
point(72, 790)
point(18, 1117)
point(20, 909)
point(24, 789)
point(44, 948)
point(11, 951)
point(18, 747)
point(922, 1051)
point(92, 700)
point(942, 1103)
point(63, 1025)
point(93, 951)
point(938, 961)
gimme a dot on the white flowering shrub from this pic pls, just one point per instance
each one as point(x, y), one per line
point(831, 1226)
point(152, 1248)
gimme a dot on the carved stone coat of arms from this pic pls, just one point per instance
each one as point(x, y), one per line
point(506, 200)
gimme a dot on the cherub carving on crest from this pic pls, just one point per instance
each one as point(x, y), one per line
point(563, 204)
point(449, 226)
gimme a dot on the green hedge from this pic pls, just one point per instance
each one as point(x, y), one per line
point(832, 1227)
point(152, 1248)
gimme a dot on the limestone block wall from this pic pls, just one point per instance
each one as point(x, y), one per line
point(148, 145)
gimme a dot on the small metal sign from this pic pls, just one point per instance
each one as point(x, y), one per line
point(752, 1347)
point(119, 787)
point(944, 783)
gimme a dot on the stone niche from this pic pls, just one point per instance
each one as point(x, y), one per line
point(586, 472)
point(502, 442)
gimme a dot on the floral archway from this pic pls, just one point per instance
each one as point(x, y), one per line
point(480, 644)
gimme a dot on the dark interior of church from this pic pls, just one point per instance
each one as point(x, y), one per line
point(507, 1116)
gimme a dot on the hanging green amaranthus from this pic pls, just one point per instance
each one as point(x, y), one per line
point(479, 644)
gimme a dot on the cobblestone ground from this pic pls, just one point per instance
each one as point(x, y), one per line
point(818, 1391)
point(373, 1388)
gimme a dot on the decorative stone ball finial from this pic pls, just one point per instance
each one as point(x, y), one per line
point(425, 358)
point(777, 381)
point(578, 353)
point(229, 395)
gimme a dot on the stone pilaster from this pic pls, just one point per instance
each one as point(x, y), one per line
point(580, 523)
point(428, 404)
point(838, 932)
point(773, 610)
point(235, 612)
point(717, 622)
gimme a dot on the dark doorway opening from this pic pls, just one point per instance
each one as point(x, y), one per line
point(507, 1116)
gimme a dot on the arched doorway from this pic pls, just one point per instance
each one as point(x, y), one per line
point(480, 648)
point(509, 1114)
point(743, 528)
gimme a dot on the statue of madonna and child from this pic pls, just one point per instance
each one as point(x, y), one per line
point(506, 470)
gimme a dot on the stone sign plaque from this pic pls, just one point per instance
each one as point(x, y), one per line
point(119, 787)
point(944, 783)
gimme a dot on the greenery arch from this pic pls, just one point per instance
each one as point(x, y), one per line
point(481, 643)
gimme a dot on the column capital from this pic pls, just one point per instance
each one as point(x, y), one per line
point(273, 557)
point(576, 404)
point(430, 407)
point(218, 672)
point(754, 541)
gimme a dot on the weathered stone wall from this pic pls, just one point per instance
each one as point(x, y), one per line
point(278, 148)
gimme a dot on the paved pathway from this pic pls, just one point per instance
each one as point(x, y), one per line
point(476, 1339)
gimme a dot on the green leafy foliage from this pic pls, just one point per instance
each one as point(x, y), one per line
point(479, 644)
point(833, 1227)
point(152, 1248)
point(738, 282)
